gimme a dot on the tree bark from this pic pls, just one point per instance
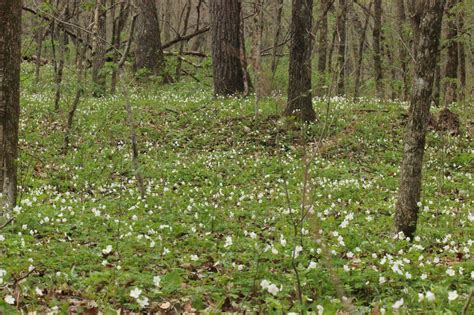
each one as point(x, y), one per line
point(403, 47)
point(341, 51)
point(181, 45)
point(226, 47)
point(377, 38)
point(451, 67)
point(10, 59)
point(360, 54)
point(299, 80)
point(276, 40)
point(323, 46)
point(427, 21)
point(149, 52)
point(117, 28)
point(99, 49)
point(462, 57)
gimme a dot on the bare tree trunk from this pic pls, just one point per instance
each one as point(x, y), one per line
point(299, 79)
point(323, 46)
point(117, 28)
point(10, 59)
point(181, 45)
point(39, 36)
point(99, 49)
point(167, 20)
point(257, 31)
point(451, 67)
point(149, 52)
point(81, 52)
point(276, 39)
point(341, 51)
point(427, 20)
point(403, 47)
point(227, 61)
point(377, 37)
point(360, 54)
point(462, 57)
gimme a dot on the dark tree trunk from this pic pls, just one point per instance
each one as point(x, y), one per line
point(182, 44)
point(276, 40)
point(299, 80)
point(10, 58)
point(149, 53)
point(377, 37)
point(341, 51)
point(360, 54)
point(462, 57)
point(427, 23)
point(99, 49)
point(323, 46)
point(451, 67)
point(117, 28)
point(403, 47)
point(226, 47)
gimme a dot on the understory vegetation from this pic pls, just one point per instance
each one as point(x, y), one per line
point(222, 227)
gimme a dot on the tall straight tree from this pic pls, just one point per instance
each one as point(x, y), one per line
point(427, 23)
point(10, 58)
point(403, 51)
point(99, 48)
point(341, 50)
point(226, 47)
point(299, 80)
point(149, 53)
point(323, 45)
point(377, 36)
point(452, 58)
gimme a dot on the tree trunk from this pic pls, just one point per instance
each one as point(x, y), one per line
point(226, 45)
point(462, 57)
point(377, 37)
point(323, 46)
point(182, 44)
point(299, 79)
point(257, 30)
point(403, 47)
point(360, 54)
point(10, 59)
point(117, 28)
point(99, 49)
point(39, 36)
point(149, 53)
point(341, 51)
point(276, 40)
point(451, 67)
point(427, 23)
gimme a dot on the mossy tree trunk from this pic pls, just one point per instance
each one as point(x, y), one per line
point(427, 21)
point(299, 80)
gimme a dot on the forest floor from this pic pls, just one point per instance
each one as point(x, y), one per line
point(221, 227)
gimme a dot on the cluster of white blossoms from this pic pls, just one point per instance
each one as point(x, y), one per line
point(270, 287)
point(3, 272)
point(136, 294)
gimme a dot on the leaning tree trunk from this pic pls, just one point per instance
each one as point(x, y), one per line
point(299, 80)
point(341, 51)
point(427, 20)
point(377, 36)
point(99, 49)
point(10, 58)
point(226, 47)
point(451, 67)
